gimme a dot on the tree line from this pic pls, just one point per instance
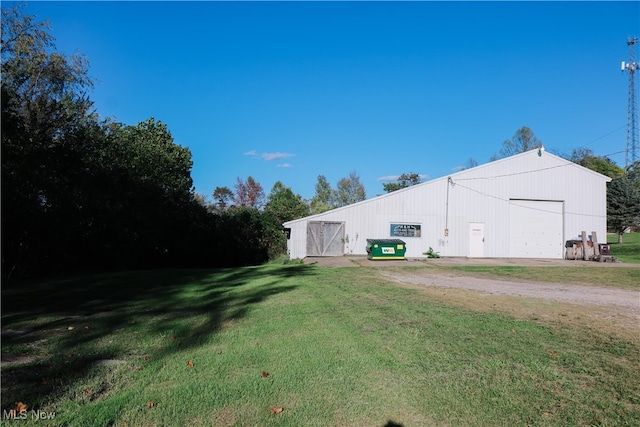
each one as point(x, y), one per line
point(81, 192)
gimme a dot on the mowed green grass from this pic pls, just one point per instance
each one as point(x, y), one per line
point(628, 250)
point(331, 347)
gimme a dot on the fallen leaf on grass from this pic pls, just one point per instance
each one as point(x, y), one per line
point(553, 355)
point(145, 357)
point(190, 363)
point(17, 410)
point(172, 337)
point(276, 410)
point(265, 374)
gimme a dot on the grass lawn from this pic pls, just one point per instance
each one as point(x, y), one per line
point(330, 347)
point(628, 250)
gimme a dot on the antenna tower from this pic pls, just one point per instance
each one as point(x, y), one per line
point(632, 109)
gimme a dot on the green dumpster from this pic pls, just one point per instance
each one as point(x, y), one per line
point(379, 249)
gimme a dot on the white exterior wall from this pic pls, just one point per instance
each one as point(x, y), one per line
point(482, 195)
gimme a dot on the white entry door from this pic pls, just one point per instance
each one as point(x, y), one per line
point(476, 240)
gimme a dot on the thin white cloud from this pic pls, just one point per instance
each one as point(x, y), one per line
point(285, 165)
point(268, 156)
point(390, 178)
point(275, 156)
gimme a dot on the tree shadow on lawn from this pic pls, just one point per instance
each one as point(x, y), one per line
point(57, 331)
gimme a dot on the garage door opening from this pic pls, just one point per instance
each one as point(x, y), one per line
point(536, 229)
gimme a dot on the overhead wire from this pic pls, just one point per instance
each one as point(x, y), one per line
point(605, 135)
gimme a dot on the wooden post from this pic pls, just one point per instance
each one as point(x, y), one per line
point(596, 246)
point(584, 246)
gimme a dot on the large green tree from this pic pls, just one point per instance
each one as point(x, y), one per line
point(633, 173)
point(350, 190)
point(223, 198)
point(324, 198)
point(404, 180)
point(622, 211)
point(77, 191)
point(47, 120)
point(601, 164)
point(152, 190)
point(623, 205)
point(284, 204)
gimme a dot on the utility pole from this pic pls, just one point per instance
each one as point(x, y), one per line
point(632, 108)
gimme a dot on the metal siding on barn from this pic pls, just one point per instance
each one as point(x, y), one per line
point(478, 195)
point(535, 229)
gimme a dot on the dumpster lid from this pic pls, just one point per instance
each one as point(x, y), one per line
point(386, 241)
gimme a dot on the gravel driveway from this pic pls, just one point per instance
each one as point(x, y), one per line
point(590, 295)
point(552, 291)
point(608, 310)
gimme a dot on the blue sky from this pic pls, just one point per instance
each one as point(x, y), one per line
point(287, 91)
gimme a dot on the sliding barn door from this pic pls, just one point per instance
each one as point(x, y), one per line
point(325, 238)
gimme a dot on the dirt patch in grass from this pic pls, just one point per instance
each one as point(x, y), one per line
point(225, 417)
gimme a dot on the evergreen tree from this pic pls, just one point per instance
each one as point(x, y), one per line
point(623, 205)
